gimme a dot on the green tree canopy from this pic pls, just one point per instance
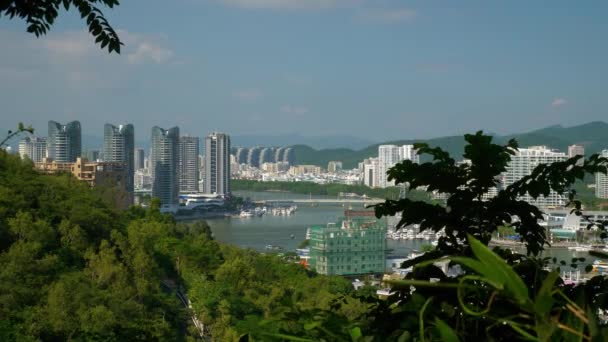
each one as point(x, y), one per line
point(40, 15)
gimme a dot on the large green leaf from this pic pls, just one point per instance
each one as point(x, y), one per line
point(445, 331)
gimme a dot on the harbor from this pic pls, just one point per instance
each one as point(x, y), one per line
point(288, 231)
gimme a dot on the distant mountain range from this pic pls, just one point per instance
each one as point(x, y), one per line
point(593, 135)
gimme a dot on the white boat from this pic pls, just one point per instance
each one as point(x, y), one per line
point(581, 248)
point(246, 213)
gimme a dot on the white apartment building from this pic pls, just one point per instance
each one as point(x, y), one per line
point(388, 156)
point(371, 172)
point(601, 181)
point(33, 148)
point(522, 164)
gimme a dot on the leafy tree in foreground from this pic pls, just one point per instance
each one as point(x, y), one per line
point(466, 211)
point(500, 295)
point(20, 129)
point(41, 14)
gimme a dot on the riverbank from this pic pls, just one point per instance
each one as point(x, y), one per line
point(332, 189)
point(512, 243)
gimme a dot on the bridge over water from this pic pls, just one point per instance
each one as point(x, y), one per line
point(323, 201)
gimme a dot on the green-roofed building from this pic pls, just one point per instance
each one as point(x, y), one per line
point(349, 247)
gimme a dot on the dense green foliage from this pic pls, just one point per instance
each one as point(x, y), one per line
point(74, 268)
point(592, 135)
point(499, 296)
point(332, 189)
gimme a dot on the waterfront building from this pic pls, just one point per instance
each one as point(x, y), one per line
point(118, 147)
point(388, 156)
point(217, 164)
point(253, 156)
point(577, 150)
point(408, 152)
point(371, 172)
point(266, 155)
point(241, 155)
point(305, 169)
point(64, 142)
point(601, 181)
point(140, 159)
point(278, 154)
point(33, 148)
point(352, 246)
point(164, 162)
point(289, 156)
point(108, 174)
point(523, 162)
point(188, 164)
point(334, 166)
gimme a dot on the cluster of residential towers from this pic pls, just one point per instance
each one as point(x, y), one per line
point(173, 162)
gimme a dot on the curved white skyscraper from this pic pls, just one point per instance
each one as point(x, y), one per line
point(164, 164)
point(64, 142)
point(119, 146)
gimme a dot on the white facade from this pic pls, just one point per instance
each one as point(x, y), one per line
point(188, 164)
point(576, 150)
point(143, 179)
point(388, 156)
point(217, 164)
point(522, 164)
point(601, 181)
point(371, 171)
point(33, 148)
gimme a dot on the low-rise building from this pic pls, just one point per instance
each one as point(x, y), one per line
point(110, 174)
point(334, 166)
point(352, 246)
point(305, 169)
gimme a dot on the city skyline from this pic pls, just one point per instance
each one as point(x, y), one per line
point(425, 70)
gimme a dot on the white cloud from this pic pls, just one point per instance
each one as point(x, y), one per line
point(387, 16)
point(559, 102)
point(248, 95)
point(290, 4)
point(70, 45)
point(294, 110)
point(149, 52)
point(75, 46)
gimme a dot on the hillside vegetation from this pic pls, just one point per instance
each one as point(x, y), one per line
point(593, 135)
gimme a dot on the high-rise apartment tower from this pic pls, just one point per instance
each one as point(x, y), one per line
point(118, 147)
point(188, 163)
point(164, 164)
point(217, 163)
point(64, 142)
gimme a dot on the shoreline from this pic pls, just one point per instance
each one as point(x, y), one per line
point(510, 243)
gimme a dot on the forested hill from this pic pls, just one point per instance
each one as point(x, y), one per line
point(593, 135)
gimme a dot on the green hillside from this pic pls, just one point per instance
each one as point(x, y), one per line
point(593, 135)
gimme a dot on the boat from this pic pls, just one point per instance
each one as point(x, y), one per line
point(600, 266)
point(246, 213)
point(273, 248)
point(580, 248)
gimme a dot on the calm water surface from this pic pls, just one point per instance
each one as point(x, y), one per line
point(257, 232)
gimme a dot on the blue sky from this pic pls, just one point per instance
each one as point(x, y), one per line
point(378, 69)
